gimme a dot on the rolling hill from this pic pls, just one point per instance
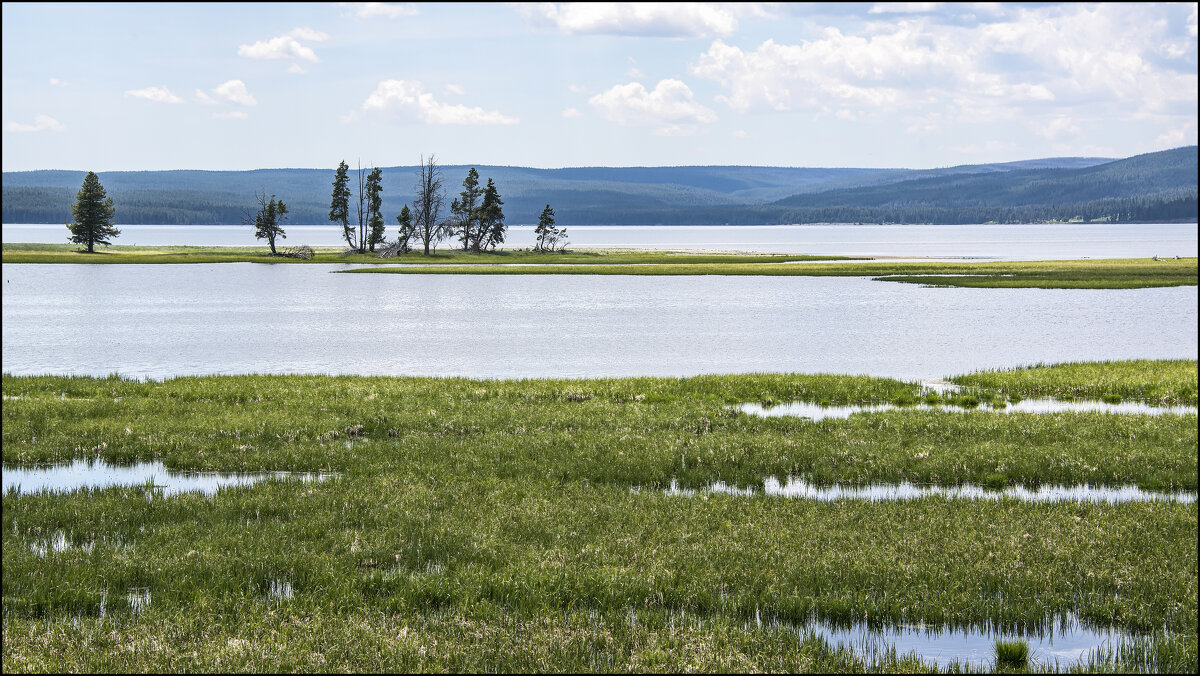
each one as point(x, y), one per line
point(1154, 186)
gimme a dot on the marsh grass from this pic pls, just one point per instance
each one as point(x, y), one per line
point(68, 253)
point(489, 526)
point(1012, 655)
point(1161, 382)
point(1127, 273)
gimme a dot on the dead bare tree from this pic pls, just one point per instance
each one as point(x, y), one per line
point(427, 207)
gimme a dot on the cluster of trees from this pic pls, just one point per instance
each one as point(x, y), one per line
point(476, 217)
point(369, 230)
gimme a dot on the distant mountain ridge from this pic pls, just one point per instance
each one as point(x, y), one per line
point(1154, 186)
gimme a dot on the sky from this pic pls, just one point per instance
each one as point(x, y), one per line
point(109, 87)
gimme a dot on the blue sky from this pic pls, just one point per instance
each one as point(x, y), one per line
point(241, 86)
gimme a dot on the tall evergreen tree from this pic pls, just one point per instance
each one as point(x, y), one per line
point(339, 206)
point(465, 210)
point(491, 228)
point(407, 229)
point(93, 213)
point(375, 208)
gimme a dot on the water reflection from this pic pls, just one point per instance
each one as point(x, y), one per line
point(97, 473)
point(814, 411)
point(1065, 642)
point(162, 321)
point(803, 489)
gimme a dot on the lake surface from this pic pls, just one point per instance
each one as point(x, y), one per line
point(158, 321)
point(1008, 242)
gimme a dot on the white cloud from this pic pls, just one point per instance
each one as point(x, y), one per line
point(1056, 127)
point(308, 34)
point(296, 69)
point(1026, 63)
point(160, 94)
point(668, 105)
point(454, 89)
point(235, 91)
point(930, 124)
point(904, 7)
point(1182, 135)
point(40, 123)
point(635, 73)
point(576, 89)
point(55, 82)
point(389, 10)
point(285, 46)
point(1191, 21)
point(406, 98)
point(990, 148)
point(657, 19)
point(231, 115)
point(679, 130)
point(571, 112)
point(740, 133)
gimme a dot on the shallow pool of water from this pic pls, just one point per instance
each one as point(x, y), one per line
point(803, 489)
point(814, 411)
point(97, 473)
point(1067, 641)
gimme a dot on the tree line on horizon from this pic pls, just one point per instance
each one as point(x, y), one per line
point(1159, 186)
point(476, 217)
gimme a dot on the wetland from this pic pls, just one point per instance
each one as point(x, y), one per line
point(489, 525)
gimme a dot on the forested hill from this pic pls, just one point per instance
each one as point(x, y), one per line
point(1155, 186)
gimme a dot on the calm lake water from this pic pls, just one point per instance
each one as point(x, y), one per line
point(159, 321)
point(1010, 242)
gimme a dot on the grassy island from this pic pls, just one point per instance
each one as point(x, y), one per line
point(1120, 273)
point(476, 525)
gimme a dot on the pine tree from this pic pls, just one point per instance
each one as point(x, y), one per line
point(267, 221)
point(491, 219)
point(339, 206)
point(374, 207)
point(466, 210)
point(407, 229)
point(548, 236)
point(93, 213)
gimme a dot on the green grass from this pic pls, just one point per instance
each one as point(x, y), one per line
point(1012, 655)
point(1071, 274)
point(1163, 382)
point(117, 253)
point(480, 525)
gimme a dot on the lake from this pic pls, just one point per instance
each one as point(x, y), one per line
point(1008, 242)
point(158, 321)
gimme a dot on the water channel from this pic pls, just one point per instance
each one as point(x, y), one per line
point(160, 321)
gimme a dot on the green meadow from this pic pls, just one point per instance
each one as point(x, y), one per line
point(1121, 273)
point(1117, 273)
point(491, 525)
point(119, 253)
